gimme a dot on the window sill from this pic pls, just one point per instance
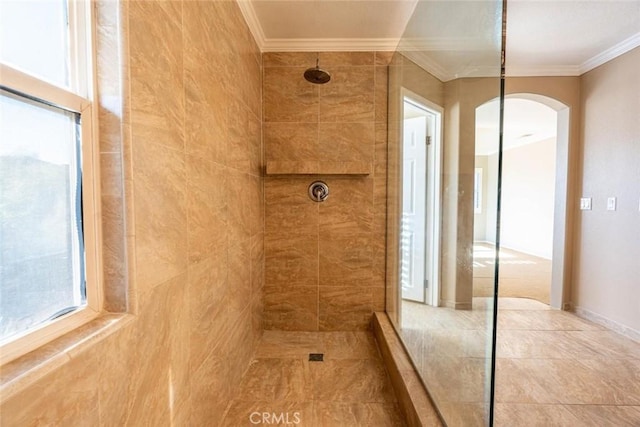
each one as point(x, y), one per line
point(26, 370)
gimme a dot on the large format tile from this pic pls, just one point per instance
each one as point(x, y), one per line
point(291, 141)
point(207, 284)
point(533, 415)
point(539, 345)
point(459, 380)
point(540, 320)
point(288, 209)
point(349, 345)
point(517, 384)
point(462, 414)
point(381, 83)
point(346, 261)
point(442, 343)
point(346, 141)
point(239, 139)
point(238, 294)
point(238, 194)
point(570, 382)
point(289, 59)
point(157, 104)
point(344, 308)
point(249, 413)
point(276, 380)
point(211, 393)
point(206, 208)
point(623, 376)
point(160, 213)
point(351, 380)
point(291, 308)
point(349, 208)
point(331, 414)
point(350, 387)
point(607, 344)
point(291, 261)
point(307, 127)
point(289, 344)
point(349, 96)
point(208, 114)
point(605, 416)
point(288, 97)
point(335, 59)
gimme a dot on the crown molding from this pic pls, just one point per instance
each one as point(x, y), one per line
point(330, 45)
point(309, 45)
point(422, 60)
point(575, 70)
point(448, 44)
point(416, 45)
point(611, 53)
point(250, 17)
point(541, 71)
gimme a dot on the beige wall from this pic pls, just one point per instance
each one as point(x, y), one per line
point(480, 219)
point(191, 128)
point(607, 246)
point(462, 97)
point(403, 73)
point(528, 181)
point(325, 261)
point(528, 190)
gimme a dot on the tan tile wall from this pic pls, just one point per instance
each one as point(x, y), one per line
point(325, 262)
point(184, 133)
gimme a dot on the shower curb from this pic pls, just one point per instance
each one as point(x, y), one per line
point(414, 401)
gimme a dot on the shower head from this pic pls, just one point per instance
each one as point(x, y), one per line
point(316, 75)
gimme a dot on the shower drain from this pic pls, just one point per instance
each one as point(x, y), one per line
point(316, 357)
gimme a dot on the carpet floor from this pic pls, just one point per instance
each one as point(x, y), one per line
point(521, 275)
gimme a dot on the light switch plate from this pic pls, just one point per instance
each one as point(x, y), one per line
point(585, 204)
point(611, 204)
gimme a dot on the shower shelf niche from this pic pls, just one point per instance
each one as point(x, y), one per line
point(317, 168)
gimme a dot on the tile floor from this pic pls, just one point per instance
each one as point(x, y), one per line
point(349, 388)
point(553, 368)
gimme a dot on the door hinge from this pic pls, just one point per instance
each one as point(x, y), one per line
point(428, 139)
point(426, 283)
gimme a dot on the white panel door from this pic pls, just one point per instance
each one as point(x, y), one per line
point(413, 227)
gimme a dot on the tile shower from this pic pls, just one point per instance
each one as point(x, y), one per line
point(324, 262)
point(221, 275)
point(193, 258)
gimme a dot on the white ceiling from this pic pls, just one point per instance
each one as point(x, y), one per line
point(453, 38)
point(456, 38)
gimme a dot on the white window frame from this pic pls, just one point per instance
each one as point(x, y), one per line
point(76, 99)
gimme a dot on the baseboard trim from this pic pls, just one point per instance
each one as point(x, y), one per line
point(458, 305)
point(607, 323)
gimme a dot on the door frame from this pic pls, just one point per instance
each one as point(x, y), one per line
point(434, 191)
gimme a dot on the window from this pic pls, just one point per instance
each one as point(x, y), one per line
point(48, 234)
point(477, 191)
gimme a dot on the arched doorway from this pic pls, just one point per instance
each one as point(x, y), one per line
point(534, 198)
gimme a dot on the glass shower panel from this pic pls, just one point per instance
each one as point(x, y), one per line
point(442, 200)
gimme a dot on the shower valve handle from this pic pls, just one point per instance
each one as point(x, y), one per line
point(318, 191)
